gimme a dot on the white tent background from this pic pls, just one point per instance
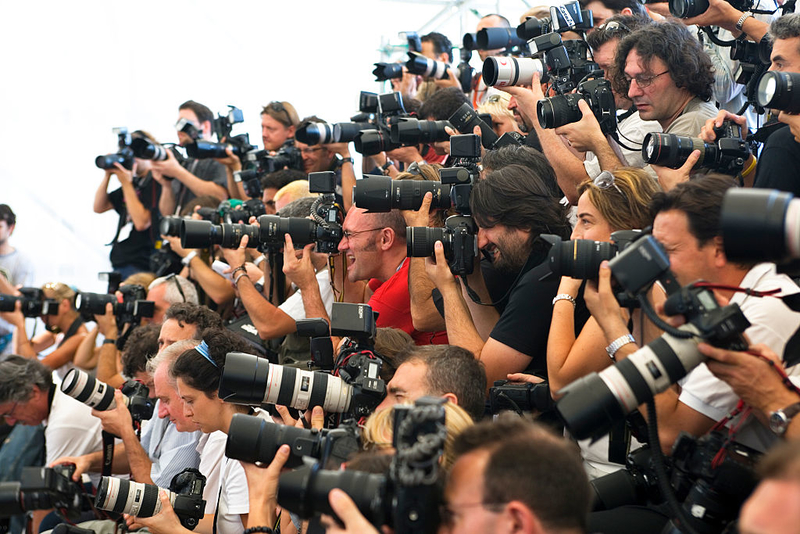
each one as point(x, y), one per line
point(73, 70)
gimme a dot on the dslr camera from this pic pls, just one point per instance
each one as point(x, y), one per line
point(98, 395)
point(32, 301)
point(43, 488)
point(131, 309)
point(389, 109)
point(563, 109)
point(123, 156)
point(141, 500)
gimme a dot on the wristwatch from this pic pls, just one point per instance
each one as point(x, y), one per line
point(618, 344)
point(779, 419)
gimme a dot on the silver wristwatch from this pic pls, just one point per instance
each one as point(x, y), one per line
point(779, 419)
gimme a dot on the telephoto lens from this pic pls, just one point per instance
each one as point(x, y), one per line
point(503, 71)
point(274, 229)
point(316, 133)
point(252, 439)
point(426, 67)
point(533, 27)
point(670, 150)
point(144, 149)
point(387, 71)
point(371, 142)
point(578, 258)
point(410, 131)
point(208, 149)
point(346, 132)
point(88, 390)
point(382, 194)
point(203, 234)
point(684, 9)
point(248, 379)
point(94, 303)
point(779, 90)
point(170, 226)
point(470, 41)
point(108, 161)
point(497, 38)
point(760, 225)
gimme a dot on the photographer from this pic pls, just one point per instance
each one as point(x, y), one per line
point(15, 270)
point(588, 151)
point(136, 202)
point(279, 121)
point(66, 330)
point(512, 206)
point(182, 181)
point(330, 157)
point(28, 396)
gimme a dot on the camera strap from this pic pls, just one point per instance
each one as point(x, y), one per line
point(108, 452)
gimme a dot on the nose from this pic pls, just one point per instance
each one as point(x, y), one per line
point(163, 412)
point(512, 103)
point(576, 232)
point(344, 244)
point(483, 239)
point(634, 92)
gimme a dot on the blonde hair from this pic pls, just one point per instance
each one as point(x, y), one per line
point(626, 208)
point(293, 191)
point(60, 292)
point(143, 279)
point(496, 105)
point(379, 428)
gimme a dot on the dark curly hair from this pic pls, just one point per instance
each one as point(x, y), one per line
point(140, 347)
point(671, 42)
point(200, 373)
point(204, 318)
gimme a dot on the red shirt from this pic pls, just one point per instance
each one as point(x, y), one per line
point(392, 301)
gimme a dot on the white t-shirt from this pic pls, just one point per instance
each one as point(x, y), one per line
point(772, 324)
point(71, 430)
point(293, 306)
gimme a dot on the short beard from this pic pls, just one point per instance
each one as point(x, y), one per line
point(512, 258)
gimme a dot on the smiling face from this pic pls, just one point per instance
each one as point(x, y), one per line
point(362, 248)
point(508, 247)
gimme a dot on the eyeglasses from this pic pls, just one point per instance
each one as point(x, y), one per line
point(447, 511)
point(278, 107)
point(613, 26)
point(346, 234)
point(11, 412)
point(605, 180)
point(174, 278)
point(311, 149)
point(643, 80)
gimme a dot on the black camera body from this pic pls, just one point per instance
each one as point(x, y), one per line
point(458, 237)
point(43, 488)
point(581, 258)
point(563, 109)
point(719, 326)
point(33, 303)
point(139, 402)
point(124, 156)
point(685, 9)
point(520, 397)
point(407, 499)
point(98, 395)
point(388, 109)
point(131, 310)
point(287, 157)
point(464, 119)
point(164, 260)
point(726, 154)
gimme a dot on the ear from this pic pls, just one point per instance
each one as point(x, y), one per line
point(291, 130)
point(523, 519)
point(387, 239)
point(626, 11)
point(720, 259)
point(451, 397)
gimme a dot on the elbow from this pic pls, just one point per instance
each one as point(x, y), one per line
point(141, 226)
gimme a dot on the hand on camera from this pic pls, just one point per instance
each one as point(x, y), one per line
point(719, 13)
point(420, 217)
point(405, 154)
point(585, 134)
point(81, 463)
point(169, 167)
point(354, 521)
point(15, 317)
point(262, 488)
point(164, 522)
point(122, 174)
point(231, 161)
point(669, 178)
point(522, 377)
point(603, 305)
point(450, 81)
point(300, 271)
point(707, 132)
point(236, 256)
point(118, 420)
point(438, 269)
point(107, 323)
point(175, 245)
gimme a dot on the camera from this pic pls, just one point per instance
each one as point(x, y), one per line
point(98, 395)
point(409, 131)
point(590, 406)
point(637, 484)
point(581, 258)
point(726, 154)
point(131, 309)
point(407, 499)
point(504, 71)
point(779, 90)
point(252, 439)
point(426, 67)
point(287, 157)
point(387, 71)
point(522, 397)
point(32, 302)
point(141, 500)
point(388, 108)
point(43, 488)
point(201, 149)
point(123, 156)
point(164, 260)
point(562, 18)
point(760, 224)
point(684, 9)
point(498, 38)
point(143, 148)
point(563, 109)
point(464, 119)
point(380, 194)
point(458, 237)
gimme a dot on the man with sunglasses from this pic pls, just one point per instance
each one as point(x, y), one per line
point(183, 181)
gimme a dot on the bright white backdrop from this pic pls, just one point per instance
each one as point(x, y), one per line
point(73, 70)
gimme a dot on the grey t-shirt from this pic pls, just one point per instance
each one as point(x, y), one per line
point(694, 116)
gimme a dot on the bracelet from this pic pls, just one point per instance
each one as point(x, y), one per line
point(239, 268)
point(109, 341)
point(565, 296)
point(385, 166)
point(252, 530)
point(239, 277)
point(189, 257)
point(746, 15)
point(749, 168)
point(618, 344)
point(237, 176)
point(259, 260)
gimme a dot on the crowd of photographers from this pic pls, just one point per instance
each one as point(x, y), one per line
point(558, 296)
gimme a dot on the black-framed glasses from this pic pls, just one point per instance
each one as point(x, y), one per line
point(174, 278)
point(644, 80)
point(278, 107)
point(346, 234)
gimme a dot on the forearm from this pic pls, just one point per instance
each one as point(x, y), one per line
point(216, 286)
point(348, 181)
point(107, 366)
point(461, 330)
point(63, 354)
point(167, 203)
point(139, 214)
point(424, 315)
point(265, 316)
point(86, 355)
point(200, 187)
point(483, 317)
point(101, 200)
point(570, 171)
point(138, 461)
point(24, 345)
point(235, 189)
point(605, 156)
point(313, 304)
point(559, 342)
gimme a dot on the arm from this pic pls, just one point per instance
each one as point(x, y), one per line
point(216, 286)
point(586, 135)
point(233, 163)
point(166, 202)
point(118, 422)
point(301, 273)
point(171, 167)
point(348, 173)
point(108, 363)
point(483, 317)
point(65, 352)
point(139, 214)
point(101, 202)
point(87, 353)
point(724, 15)
point(93, 462)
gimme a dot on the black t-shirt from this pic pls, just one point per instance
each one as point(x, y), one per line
point(205, 169)
point(132, 247)
point(779, 164)
point(525, 322)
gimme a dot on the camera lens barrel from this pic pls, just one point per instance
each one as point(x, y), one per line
point(382, 194)
point(144, 149)
point(316, 133)
point(95, 303)
point(779, 90)
point(207, 149)
point(128, 497)
point(170, 226)
point(684, 9)
point(670, 150)
point(559, 110)
point(273, 230)
point(203, 234)
point(88, 390)
point(426, 67)
point(503, 71)
point(410, 131)
point(252, 439)
point(497, 38)
point(420, 241)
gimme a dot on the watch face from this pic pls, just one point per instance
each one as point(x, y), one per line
point(778, 422)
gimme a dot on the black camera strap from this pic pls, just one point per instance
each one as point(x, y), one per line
point(72, 330)
point(108, 452)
